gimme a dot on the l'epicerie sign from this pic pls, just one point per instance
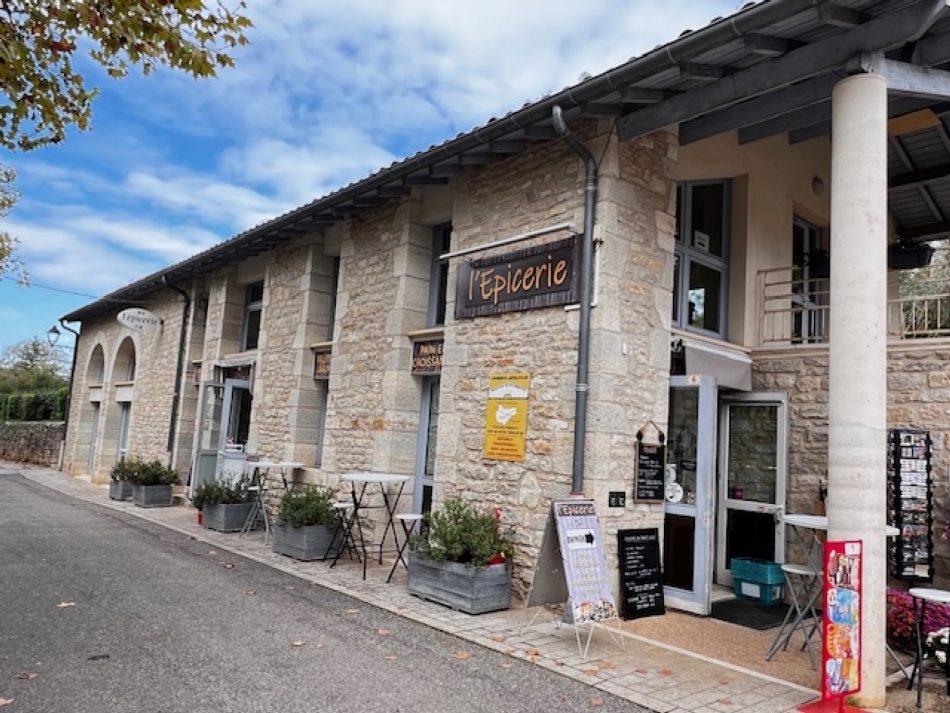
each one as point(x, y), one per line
point(138, 319)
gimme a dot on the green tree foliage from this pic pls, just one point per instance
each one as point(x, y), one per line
point(9, 264)
point(33, 382)
point(42, 93)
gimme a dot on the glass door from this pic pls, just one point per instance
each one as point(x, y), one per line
point(236, 407)
point(687, 535)
point(209, 434)
point(425, 449)
point(753, 470)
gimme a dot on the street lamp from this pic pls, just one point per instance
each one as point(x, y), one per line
point(52, 335)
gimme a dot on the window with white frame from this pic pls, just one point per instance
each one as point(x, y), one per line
point(439, 274)
point(253, 311)
point(700, 277)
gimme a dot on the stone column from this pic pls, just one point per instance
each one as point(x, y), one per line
point(858, 353)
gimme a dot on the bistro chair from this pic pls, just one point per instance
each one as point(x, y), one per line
point(410, 522)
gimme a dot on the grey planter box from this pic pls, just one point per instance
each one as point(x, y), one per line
point(315, 542)
point(467, 589)
point(228, 517)
point(120, 489)
point(152, 496)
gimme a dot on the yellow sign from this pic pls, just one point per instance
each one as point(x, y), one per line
point(506, 420)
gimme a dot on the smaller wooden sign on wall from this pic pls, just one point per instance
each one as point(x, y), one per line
point(427, 357)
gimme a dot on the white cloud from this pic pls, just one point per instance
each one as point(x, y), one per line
point(326, 93)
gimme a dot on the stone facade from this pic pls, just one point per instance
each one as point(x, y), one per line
point(918, 397)
point(629, 340)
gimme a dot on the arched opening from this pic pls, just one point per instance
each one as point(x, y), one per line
point(115, 431)
point(123, 370)
point(87, 434)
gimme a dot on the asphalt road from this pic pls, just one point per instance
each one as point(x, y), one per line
point(115, 614)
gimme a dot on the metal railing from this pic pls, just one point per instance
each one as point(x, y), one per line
point(796, 311)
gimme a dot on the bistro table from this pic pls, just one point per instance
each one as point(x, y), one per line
point(360, 482)
point(806, 529)
point(259, 471)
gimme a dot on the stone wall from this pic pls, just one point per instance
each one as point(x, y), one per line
point(629, 340)
point(32, 442)
point(918, 397)
point(152, 390)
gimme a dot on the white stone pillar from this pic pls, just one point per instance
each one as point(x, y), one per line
point(857, 409)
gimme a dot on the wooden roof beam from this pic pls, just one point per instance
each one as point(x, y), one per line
point(838, 16)
point(767, 45)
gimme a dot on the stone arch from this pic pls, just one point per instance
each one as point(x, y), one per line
point(88, 432)
point(118, 409)
point(124, 365)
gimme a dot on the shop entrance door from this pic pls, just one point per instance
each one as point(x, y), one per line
point(753, 470)
point(687, 531)
point(209, 434)
point(236, 408)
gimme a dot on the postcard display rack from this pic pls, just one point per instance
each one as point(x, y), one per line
point(911, 484)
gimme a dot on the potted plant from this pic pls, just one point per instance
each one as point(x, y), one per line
point(224, 504)
point(307, 527)
point(152, 484)
point(463, 560)
point(119, 486)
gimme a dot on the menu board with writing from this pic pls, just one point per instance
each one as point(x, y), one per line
point(585, 564)
point(651, 461)
point(641, 581)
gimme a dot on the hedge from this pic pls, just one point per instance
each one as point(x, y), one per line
point(41, 406)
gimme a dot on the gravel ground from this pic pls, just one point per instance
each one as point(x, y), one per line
point(101, 613)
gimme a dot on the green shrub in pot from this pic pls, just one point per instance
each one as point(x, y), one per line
point(307, 527)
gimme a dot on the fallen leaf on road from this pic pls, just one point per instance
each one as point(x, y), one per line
point(63, 605)
point(533, 652)
point(227, 565)
point(5, 701)
point(211, 553)
point(606, 665)
point(297, 643)
point(462, 655)
point(506, 664)
point(27, 675)
point(665, 672)
point(250, 592)
point(499, 638)
point(383, 632)
point(391, 658)
point(597, 701)
point(352, 611)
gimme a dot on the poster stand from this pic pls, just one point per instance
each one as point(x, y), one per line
point(577, 567)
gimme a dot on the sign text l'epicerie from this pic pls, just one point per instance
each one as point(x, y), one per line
point(541, 276)
point(138, 319)
point(585, 564)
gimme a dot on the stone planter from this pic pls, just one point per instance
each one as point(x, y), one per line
point(228, 517)
point(467, 589)
point(314, 542)
point(152, 496)
point(120, 489)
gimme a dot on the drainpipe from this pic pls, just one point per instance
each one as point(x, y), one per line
point(582, 387)
point(69, 392)
point(186, 307)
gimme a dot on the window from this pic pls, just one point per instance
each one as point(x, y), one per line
point(253, 310)
point(810, 272)
point(701, 259)
point(125, 411)
point(439, 275)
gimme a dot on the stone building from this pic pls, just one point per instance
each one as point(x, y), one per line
point(362, 331)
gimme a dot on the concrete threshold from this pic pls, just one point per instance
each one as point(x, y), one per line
point(644, 671)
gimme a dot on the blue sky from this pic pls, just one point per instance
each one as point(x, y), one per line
point(325, 93)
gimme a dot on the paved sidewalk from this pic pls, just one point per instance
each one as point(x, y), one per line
point(645, 672)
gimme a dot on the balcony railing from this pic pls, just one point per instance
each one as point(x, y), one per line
point(796, 311)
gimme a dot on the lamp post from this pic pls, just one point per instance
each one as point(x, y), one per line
point(52, 335)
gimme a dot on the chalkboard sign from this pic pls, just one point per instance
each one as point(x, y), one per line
point(641, 582)
point(651, 461)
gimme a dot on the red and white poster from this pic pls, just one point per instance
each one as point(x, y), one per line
point(841, 622)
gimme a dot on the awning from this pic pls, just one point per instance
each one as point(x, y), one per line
point(731, 367)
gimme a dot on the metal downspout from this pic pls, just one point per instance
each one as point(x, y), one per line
point(69, 392)
point(186, 308)
point(582, 387)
